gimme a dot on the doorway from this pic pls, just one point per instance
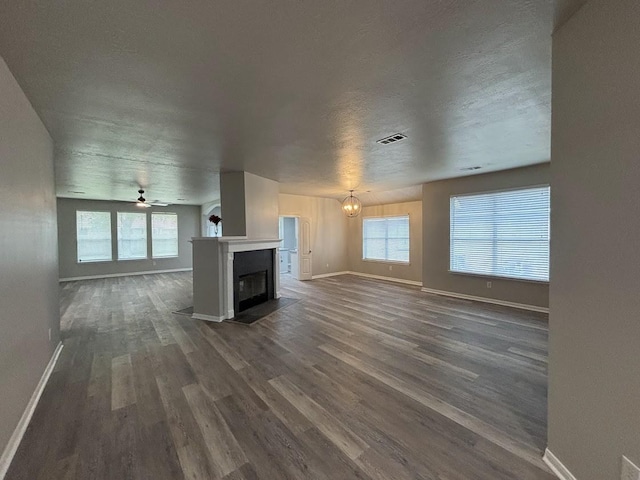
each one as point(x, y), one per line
point(289, 248)
point(295, 253)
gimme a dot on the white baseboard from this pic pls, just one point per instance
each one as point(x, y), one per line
point(521, 306)
point(114, 275)
point(556, 466)
point(327, 275)
point(207, 318)
point(387, 279)
point(369, 275)
point(21, 428)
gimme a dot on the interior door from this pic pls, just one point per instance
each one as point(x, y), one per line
point(304, 249)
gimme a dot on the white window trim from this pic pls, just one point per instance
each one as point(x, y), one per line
point(78, 261)
point(147, 237)
point(497, 277)
point(160, 257)
point(499, 190)
point(390, 262)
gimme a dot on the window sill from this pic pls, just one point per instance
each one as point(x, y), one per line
point(132, 259)
point(390, 262)
point(163, 258)
point(498, 277)
point(78, 262)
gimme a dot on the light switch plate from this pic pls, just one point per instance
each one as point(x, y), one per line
point(629, 470)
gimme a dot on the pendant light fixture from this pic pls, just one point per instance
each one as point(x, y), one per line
point(351, 205)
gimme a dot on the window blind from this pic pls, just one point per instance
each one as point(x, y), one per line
point(164, 234)
point(386, 238)
point(93, 233)
point(132, 236)
point(503, 234)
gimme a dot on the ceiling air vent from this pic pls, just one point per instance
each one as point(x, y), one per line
point(391, 139)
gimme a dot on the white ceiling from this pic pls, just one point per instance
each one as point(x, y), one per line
point(167, 94)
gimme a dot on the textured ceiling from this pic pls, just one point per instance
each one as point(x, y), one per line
point(398, 195)
point(167, 94)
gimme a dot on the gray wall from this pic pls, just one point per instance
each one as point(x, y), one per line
point(233, 204)
point(261, 196)
point(28, 253)
point(413, 271)
point(328, 230)
point(207, 287)
point(188, 227)
point(435, 212)
point(594, 367)
point(249, 205)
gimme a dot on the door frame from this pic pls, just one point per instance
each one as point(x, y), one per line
point(297, 218)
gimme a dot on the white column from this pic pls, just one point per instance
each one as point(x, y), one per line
point(227, 276)
point(276, 273)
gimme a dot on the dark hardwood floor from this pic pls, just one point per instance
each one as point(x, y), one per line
point(360, 379)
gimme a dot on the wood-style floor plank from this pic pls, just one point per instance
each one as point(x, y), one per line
point(226, 455)
point(359, 379)
point(347, 441)
point(123, 392)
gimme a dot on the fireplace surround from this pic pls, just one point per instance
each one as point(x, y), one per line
point(218, 264)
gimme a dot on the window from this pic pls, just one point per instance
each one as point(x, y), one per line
point(132, 236)
point(164, 234)
point(386, 239)
point(93, 231)
point(504, 234)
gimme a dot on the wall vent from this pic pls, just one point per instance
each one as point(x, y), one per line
point(391, 139)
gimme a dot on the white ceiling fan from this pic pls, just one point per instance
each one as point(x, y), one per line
point(142, 202)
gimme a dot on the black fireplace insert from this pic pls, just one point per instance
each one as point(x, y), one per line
point(252, 290)
point(253, 281)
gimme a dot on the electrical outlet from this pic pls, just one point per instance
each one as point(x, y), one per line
point(390, 267)
point(327, 265)
point(489, 285)
point(629, 470)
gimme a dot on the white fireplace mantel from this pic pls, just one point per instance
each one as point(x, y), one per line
point(213, 273)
